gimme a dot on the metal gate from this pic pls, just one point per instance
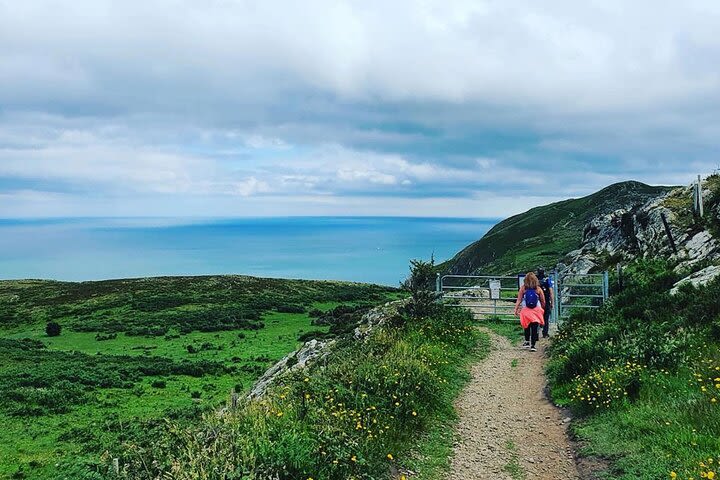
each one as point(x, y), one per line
point(483, 295)
point(580, 290)
point(494, 295)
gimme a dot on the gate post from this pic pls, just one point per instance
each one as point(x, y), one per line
point(606, 286)
point(437, 284)
point(556, 298)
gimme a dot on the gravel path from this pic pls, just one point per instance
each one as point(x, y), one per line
point(507, 428)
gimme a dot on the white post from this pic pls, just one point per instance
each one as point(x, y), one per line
point(699, 196)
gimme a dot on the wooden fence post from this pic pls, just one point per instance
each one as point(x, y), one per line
point(669, 233)
point(233, 399)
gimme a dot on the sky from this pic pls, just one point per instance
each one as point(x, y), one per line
point(477, 108)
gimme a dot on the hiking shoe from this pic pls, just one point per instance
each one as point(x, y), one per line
point(533, 349)
point(526, 345)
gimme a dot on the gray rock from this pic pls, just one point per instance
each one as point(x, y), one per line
point(637, 231)
point(315, 350)
point(698, 278)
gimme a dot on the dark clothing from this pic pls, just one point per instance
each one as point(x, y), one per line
point(546, 286)
point(531, 334)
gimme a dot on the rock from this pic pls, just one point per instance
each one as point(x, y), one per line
point(315, 350)
point(698, 278)
point(293, 361)
point(637, 231)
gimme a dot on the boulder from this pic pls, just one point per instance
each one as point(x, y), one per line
point(315, 350)
point(699, 278)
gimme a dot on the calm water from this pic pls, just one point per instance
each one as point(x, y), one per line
point(366, 249)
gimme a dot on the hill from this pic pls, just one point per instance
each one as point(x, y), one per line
point(545, 235)
point(134, 353)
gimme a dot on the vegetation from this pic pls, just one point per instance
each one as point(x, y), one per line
point(681, 206)
point(374, 406)
point(643, 373)
point(53, 329)
point(421, 285)
point(134, 354)
point(544, 235)
point(154, 307)
point(360, 416)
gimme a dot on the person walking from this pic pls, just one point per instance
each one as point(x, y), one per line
point(546, 285)
point(530, 307)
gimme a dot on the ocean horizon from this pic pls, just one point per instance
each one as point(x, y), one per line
point(361, 249)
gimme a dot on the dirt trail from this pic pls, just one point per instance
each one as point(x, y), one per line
point(507, 428)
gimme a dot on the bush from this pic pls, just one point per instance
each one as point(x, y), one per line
point(159, 384)
point(53, 329)
point(100, 337)
point(290, 309)
point(314, 334)
point(421, 285)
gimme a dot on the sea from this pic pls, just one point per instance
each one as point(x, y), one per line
point(363, 249)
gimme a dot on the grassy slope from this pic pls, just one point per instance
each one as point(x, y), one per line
point(543, 235)
point(644, 379)
point(373, 406)
point(35, 442)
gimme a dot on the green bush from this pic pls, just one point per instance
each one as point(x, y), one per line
point(421, 285)
point(53, 329)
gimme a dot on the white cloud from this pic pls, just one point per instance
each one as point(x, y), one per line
point(559, 54)
point(346, 98)
point(251, 186)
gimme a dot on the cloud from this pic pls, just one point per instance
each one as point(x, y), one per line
point(181, 101)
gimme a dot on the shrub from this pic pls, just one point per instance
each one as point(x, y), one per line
point(53, 329)
point(314, 334)
point(606, 387)
point(100, 337)
point(421, 285)
point(159, 384)
point(290, 309)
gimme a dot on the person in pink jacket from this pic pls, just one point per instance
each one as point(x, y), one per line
point(530, 307)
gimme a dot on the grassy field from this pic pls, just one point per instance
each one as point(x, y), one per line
point(135, 353)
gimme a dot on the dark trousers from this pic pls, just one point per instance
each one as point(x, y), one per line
point(531, 333)
point(546, 317)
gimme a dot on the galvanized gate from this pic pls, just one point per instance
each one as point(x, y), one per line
point(483, 295)
point(494, 295)
point(581, 291)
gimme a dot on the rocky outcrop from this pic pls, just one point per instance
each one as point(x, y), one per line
point(699, 278)
point(637, 231)
point(315, 350)
point(310, 351)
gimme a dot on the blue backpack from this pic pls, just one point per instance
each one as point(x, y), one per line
point(531, 298)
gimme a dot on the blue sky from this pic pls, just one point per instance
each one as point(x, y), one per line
point(430, 108)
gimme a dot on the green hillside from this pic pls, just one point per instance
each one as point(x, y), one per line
point(134, 353)
point(544, 235)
